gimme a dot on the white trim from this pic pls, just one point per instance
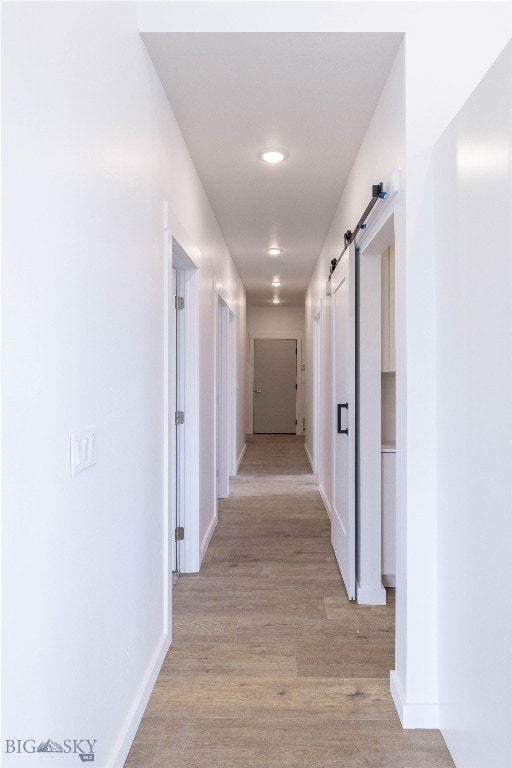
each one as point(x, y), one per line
point(249, 386)
point(369, 460)
point(140, 702)
point(389, 580)
point(190, 546)
point(216, 303)
point(233, 387)
point(176, 392)
point(222, 398)
point(191, 553)
point(316, 410)
point(207, 537)
point(370, 595)
point(413, 714)
point(309, 458)
point(240, 458)
point(167, 511)
point(378, 235)
point(325, 501)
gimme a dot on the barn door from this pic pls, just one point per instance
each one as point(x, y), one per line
point(343, 524)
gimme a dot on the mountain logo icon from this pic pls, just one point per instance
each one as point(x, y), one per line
point(49, 746)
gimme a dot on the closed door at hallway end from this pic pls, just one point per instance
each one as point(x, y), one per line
point(275, 386)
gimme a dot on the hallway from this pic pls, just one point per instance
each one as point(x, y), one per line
point(270, 664)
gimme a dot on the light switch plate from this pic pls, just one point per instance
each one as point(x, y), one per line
point(82, 450)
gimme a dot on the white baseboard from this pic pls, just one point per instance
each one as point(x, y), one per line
point(310, 459)
point(132, 722)
point(208, 535)
point(413, 714)
point(326, 503)
point(240, 458)
point(389, 580)
point(370, 596)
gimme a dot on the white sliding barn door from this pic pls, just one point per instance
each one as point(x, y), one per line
point(343, 523)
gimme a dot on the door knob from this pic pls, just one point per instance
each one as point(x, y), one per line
point(258, 391)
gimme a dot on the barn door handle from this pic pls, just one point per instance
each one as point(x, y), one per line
point(340, 430)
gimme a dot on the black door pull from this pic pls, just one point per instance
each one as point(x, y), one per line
point(340, 430)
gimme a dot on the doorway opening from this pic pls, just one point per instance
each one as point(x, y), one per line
point(178, 412)
point(183, 410)
point(363, 527)
point(377, 405)
point(275, 386)
point(225, 401)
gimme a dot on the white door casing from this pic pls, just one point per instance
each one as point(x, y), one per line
point(182, 475)
point(378, 236)
point(222, 400)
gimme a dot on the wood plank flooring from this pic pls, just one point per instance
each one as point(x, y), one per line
point(271, 666)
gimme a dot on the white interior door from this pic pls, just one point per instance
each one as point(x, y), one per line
point(275, 386)
point(343, 522)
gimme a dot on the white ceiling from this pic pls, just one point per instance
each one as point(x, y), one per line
point(311, 93)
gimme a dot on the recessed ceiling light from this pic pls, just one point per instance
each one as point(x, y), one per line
point(273, 155)
point(274, 251)
point(276, 301)
point(276, 282)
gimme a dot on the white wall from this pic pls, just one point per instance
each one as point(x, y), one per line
point(474, 384)
point(276, 323)
point(90, 149)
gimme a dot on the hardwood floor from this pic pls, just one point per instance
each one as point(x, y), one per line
point(271, 666)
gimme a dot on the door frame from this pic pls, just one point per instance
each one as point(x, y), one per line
point(315, 459)
point(177, 388)
point(225, 416)
point(223, 389)
point(378, 235)
point(189, 553)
